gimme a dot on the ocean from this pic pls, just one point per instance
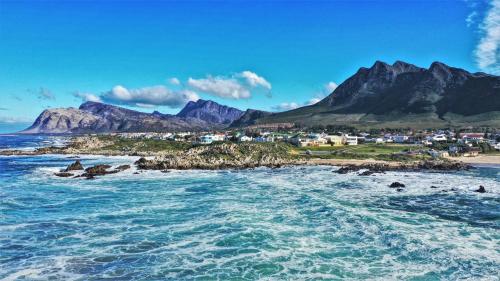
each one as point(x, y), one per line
point(291, 223)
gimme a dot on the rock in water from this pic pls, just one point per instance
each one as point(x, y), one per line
point(75, 166)
point(122, 168)
point(64, 174)
point(481, 189)
point(396, 185)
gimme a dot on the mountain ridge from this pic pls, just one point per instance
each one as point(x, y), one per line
point(385, 95)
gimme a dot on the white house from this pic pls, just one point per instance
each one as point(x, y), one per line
point(439, 137)
point(351, 140)
point(400, 139)
point(244, 138)
point(266, 138)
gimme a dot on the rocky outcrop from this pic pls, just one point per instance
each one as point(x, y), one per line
point(75, 166)
point(481, 189)
point(222, 156)
point(428, 165)
point(396, 185)
point(63, 174)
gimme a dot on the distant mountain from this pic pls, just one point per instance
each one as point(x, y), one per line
point(94, 117)
point(404, 95)
point(210, 111)
point(249, 118)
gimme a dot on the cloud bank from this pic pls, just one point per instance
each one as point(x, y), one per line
point(487, 52)
point(237, 86)
point(328, 88)
point(149, 96)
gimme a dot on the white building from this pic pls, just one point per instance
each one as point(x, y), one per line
point(400, 139)
point(244, 138)
point(351, 140)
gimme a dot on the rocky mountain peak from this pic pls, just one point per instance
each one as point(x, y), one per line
point(210, 111)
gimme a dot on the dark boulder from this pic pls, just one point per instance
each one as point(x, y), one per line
point(75, 166)
point(366, 173)
point(481, 189)
point(64, 174)
point(122, 168)
point(396, 185)
point(346, 169)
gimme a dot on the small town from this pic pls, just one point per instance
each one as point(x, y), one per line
point(436, 143)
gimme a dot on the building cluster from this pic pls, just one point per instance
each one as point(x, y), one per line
point(447, 142)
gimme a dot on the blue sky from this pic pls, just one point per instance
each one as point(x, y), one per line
point(269, 55)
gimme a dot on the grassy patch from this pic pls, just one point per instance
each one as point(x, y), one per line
point(144, 145)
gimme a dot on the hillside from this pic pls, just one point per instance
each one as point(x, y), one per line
point(404, 95)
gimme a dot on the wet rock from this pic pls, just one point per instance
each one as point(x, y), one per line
point(122, 168)
point(366, 173)
point(64, 174)
point(97, 170)
point(433, 186)
point(346, 169)
point(396, 185)
point(399, 189)
point(165, 171)
point(481, 189)
point(76, 166)
point(136, 173)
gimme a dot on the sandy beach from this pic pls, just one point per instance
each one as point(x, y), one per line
point(481, 159)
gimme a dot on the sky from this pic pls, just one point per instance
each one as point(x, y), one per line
point(268, 55)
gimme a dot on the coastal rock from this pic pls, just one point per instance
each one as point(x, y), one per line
point(76, 166)
point(396, 185)
point(122, 168)
point(366, 173)
point(347, 169)
point(97, 170)
point(481, 189)
point(63, 174)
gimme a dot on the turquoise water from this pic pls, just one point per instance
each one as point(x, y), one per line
point(274, 224)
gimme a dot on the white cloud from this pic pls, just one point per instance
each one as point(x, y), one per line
point(149, 96)
point(330, 87)
point(87, 97)
point(13, 120)
point(221, 87)
point(255, 80)
point(237, 86)
point(286, 106)
point(43, 94)
point(488, 50)
point(471, 18)
point(174, 81)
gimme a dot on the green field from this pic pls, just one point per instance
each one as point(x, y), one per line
point(363, 151)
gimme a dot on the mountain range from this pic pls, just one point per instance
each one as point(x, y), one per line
point(95, 117)
point(382, 96)
point(402, 95)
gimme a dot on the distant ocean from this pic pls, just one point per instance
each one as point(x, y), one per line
point(292, 223)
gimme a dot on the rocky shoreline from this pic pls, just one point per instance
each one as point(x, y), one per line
point(427, 165)
point(225, 156)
